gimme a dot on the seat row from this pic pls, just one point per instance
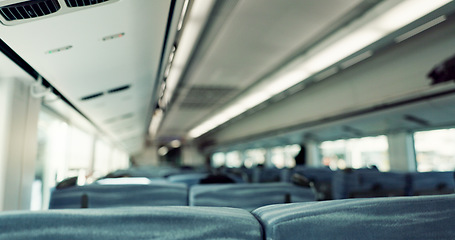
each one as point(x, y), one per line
point(421, 217)
point(246, 196)
point(355, 183)
point(327, 184)
point(183, 190)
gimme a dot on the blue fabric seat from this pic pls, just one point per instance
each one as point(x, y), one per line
point(431, 183)
point(315, 174)
point(319, 178)
point(368, 183)
point(263, 175)
point(189, 179)
point(422, 217)
point(102, 196)
point(164, 223)
point(248, 196)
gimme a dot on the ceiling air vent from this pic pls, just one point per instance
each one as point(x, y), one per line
point(95, 95)
point(118, 118)
point(82, 3)
point(119, 89)
point(206, 96)
point(29, 9)
point(110, 91)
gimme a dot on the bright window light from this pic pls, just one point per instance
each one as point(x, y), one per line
point(434, 150)
point(218, 159)
point(254, 157)
point(283, 156)
point(356, 153)
point(233, 159)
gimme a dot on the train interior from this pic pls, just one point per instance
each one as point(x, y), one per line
point(227, 119)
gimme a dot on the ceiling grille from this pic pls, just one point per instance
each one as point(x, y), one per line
point(82, 3)
point(206, 97)
point(29, 9)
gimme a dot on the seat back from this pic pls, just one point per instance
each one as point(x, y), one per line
point(423, 217)
point(431, 183)
point(316, 174)
point(189, 179)
point(102, 196)
point(368, 183)
point(248, 196)
point(319, 178)
point(265, 175)
point(165, 223)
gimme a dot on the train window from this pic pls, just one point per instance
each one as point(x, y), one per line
point(356, 153)
point(254, 157)
point(80, 152)
point(233, 159)
point(51, 154)
point(120, 160)
point(103, 153)
point(284, 156)
point(277, 157)
point(218, 159)
point(290, 152)
point(435, 150)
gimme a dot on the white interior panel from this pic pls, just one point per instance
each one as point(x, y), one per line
point(93, 65)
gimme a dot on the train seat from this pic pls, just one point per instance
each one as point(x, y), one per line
point(316, 174)
point(263, 175)
point(318, 178)
point(172, 223)
point(103, 196)
point(421, 217)
point(189, 178)
point(368, 183)
point(248, 196)
point(431, 183)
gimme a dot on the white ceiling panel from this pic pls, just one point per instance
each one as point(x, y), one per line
point(93, 65)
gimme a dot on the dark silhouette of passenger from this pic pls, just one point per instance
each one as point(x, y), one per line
point(443, 72)
point(216, 178)
point(300, 158)
point(66, 183)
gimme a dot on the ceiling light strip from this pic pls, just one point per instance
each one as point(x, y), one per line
point(421, 28)
point(356, 59)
